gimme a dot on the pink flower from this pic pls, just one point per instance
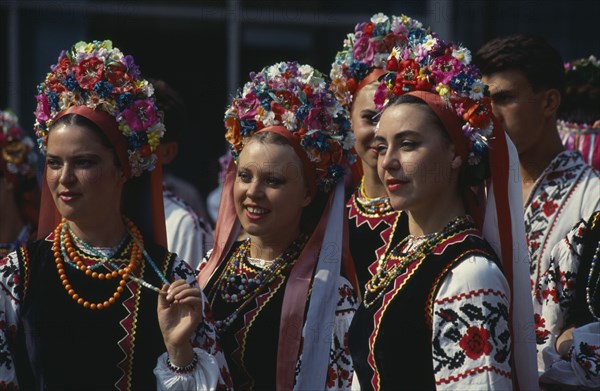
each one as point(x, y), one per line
point(444, 68)
point(42, 112)
point(247, 107)
point(361, 49)
point(141, 115)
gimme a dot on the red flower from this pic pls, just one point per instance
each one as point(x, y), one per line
point(89, 72)
point(392, 64)
point(351, 85)
point(116, 74)
point(331, 377)
point(368, 29)
point(392, 40)
point(277, 109)
point(550, 207)
point(476, 343)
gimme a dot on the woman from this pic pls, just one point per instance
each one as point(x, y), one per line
point(74, 300)
point(281, 304)
point(440, 295)
point(373, 223)
point(19, 193)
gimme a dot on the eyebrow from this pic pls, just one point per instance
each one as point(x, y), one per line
point(399, 135)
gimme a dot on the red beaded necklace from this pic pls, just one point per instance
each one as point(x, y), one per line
point(134, 261)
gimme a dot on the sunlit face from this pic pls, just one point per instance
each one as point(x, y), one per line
point(82, 175)
point(518, 107)
point(415, 159)
point(270, 192)
point(363, 119)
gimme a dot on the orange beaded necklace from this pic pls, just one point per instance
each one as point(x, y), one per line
point(136, 256)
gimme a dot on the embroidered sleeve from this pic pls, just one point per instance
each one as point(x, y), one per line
point(9, 309)
point(583, 366)
point(340, 371)
point(471, 337)
point(212, 368)
point(557, 291)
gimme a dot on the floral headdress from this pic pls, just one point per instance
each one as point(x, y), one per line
point(582, 80)
point(295, 97)
point(100, 77)
point(367, 49)
point(429, 64)
point(18, 155)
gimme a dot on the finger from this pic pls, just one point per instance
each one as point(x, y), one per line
point(176, 289)
point(163, 301)
point(189, 291)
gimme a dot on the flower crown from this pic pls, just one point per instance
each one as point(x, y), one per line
point(428, 63)
point(583, 71)
point(296, 97)
point(368, 48)
point(18, 155)
point(100, 77)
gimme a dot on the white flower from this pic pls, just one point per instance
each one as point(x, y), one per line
point(349, 41)
point(289, 120)
point(273, 72)
point(269, 119)
point(477, 89)
point(429, 42)
point(306, 72)
point(463, 55)
point(379, 18)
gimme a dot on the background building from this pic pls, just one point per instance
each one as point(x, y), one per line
point(205, 49)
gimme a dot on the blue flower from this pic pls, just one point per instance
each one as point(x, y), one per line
point(302, 111)
point(381, 29)
point(461, 83)
point(53, 100)
point(358, 70)
point(137, 139)
point(415, 36)
point(70, 82)
point(247, 127)
point(124, 100)
point(103, 88)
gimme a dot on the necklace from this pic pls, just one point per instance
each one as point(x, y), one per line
point(409, 250)
point(372, 206)
point(593, 279)
point(235, 286)
point(258, 262)
point(63, 249)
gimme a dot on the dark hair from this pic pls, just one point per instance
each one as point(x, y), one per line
point(79, 120)
point(540, 63)
point(174, 110)
point(469, 175)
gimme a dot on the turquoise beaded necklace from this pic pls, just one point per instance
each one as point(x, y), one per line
point(106, 258)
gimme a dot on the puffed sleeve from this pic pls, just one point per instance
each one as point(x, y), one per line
point(211, 371)
point(9, 311)
point(340, 371)
point(471, 338)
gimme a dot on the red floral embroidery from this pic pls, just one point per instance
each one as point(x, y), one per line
point(476, 342)
point(550, 207)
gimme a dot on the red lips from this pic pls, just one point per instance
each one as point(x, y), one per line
point(393, 184)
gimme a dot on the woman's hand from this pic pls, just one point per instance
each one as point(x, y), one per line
point(179, 314)
point(564, 342)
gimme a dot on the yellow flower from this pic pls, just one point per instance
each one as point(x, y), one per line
point(443, 90)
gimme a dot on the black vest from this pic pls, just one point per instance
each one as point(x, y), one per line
point(63, 346)
point(402, 351)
